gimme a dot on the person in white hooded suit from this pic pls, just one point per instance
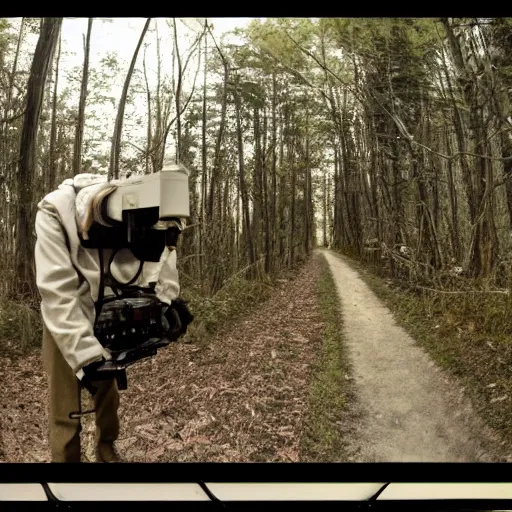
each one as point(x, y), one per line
point(68, 277)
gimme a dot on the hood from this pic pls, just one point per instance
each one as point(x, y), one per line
point(88, 187)
point(80, 181)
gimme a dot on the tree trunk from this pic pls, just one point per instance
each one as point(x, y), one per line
point(484, 243)
point(273, 223)
point(115, 151)
point(243, 186)
point(282, 186)
point(178, 94)
point(149, 130)
point(324, 201)
point(307, 191)
point(80, 124)
point(256, 188)
point(220, 135)
point(265, 195)
point(452, 194)
point(204, 153)
point(46, 43)
point(14, 69)
point(52, 170)
point(158, 148)
point(293, 207)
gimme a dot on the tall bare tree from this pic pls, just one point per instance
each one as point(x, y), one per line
point(80, 123)
point(48, 38)
point(118, 129)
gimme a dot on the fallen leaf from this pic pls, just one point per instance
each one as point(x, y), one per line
point(499, 399)
point(199, 440)
point(156, 453)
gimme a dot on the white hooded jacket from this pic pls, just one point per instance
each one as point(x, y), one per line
point(68, 275)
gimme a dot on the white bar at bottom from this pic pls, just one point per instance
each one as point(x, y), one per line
point(129, 492)
point(294, 492)
point(447, 491)
point(258, 491)
point(22, 492)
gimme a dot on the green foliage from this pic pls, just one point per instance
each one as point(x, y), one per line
point(4, 27)
point(6, 37)
point(238, 297)
point(33, 25)
point(330, 393)
point(271, 38)
point(371, 36)
point(252, 93)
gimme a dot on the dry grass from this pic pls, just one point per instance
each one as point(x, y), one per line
point(20, 326)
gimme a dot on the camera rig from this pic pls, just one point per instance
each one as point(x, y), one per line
point(145, 215)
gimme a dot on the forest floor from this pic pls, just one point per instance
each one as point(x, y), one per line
point(296, 379)
point(247, 394)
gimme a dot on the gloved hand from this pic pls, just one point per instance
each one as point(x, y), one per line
point(91, 375)
point(100, 370)
point(178, 318)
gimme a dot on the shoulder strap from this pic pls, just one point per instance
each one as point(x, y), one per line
point(101, 290)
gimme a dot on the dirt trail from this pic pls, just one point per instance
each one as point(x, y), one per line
point(408, 409)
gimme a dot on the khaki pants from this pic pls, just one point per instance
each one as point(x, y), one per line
point(65, 397)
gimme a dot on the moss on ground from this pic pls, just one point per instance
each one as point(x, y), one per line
point(331, 391)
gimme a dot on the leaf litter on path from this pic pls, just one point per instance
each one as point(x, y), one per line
point(243, 398)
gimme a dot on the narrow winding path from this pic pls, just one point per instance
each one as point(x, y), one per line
point(408, 409)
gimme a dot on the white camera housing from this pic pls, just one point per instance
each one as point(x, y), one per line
point(167, 189)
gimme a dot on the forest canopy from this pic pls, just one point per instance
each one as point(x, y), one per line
point(389, 139)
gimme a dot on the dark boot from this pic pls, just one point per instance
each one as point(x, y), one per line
point(107, 452)
point(106, 402)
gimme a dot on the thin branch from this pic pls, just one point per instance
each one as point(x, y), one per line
point(325, 68)
point(295, 73)
point(143, 151)
point(463, 153)
point(191, 50)
point(400, 125)
point(222, 56)
point(163, 138)
point(451, 292)
point(8, 120)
